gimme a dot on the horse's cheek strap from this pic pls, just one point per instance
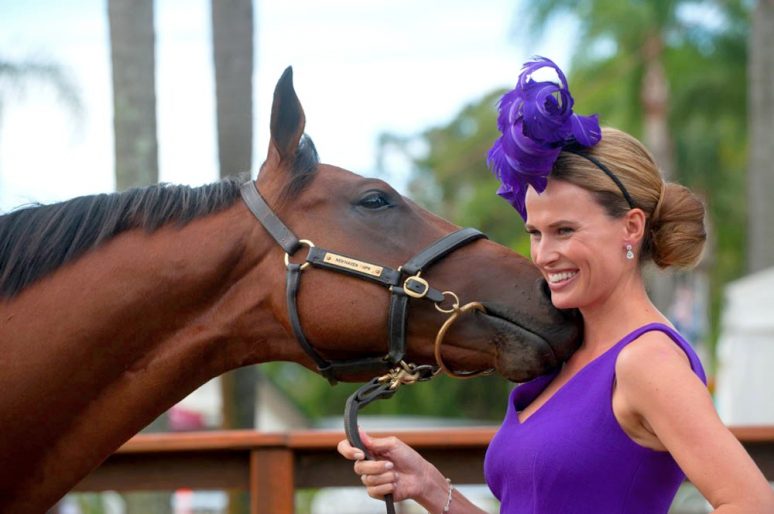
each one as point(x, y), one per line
point(293, 279)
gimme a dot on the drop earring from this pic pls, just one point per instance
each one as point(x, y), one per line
point(629, 252)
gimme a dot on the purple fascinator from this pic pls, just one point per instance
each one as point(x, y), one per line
point(536, 122)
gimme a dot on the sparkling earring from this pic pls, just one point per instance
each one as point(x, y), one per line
point(629, 252)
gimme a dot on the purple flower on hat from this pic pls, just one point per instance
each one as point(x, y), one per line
point(536, 120)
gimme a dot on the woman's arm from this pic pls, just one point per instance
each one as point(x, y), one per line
point(399, 470)
point(675, 412)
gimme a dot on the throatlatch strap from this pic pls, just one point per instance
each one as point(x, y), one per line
point(273, 225)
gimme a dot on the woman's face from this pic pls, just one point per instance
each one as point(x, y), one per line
point(579, 249)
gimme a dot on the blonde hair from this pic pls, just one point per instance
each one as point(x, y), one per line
point(675, 232)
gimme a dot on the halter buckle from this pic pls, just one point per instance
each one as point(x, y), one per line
point(416, 286)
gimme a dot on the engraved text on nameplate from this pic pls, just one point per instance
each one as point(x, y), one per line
point(353, 264)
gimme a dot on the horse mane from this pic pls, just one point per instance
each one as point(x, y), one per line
point(37, 240)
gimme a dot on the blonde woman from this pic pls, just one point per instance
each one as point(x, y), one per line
point(628, 417)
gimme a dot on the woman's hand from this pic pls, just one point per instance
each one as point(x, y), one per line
point(397, 468)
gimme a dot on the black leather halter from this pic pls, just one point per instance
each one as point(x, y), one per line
point(403, 283)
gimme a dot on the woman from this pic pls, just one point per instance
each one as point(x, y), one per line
point(628, 416)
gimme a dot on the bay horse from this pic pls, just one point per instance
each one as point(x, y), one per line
point(114, 307)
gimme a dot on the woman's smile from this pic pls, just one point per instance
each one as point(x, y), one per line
point(559, 279)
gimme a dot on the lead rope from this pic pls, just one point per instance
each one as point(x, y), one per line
point(381, 388)
point(385, 386)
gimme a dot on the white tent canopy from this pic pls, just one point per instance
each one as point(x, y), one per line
point(745, 378)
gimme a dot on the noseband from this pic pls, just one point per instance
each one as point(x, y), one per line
point(403, 283)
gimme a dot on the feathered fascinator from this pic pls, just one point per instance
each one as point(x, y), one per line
point(536, 122)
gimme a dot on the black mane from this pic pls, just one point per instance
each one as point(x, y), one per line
point(36, 240)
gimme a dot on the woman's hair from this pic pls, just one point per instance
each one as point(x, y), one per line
point(675, 233)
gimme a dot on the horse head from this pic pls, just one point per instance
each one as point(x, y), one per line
point(367, 223)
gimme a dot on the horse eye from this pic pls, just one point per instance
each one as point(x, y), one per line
point(374, 200)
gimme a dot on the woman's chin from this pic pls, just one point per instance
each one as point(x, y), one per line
point(563, 301)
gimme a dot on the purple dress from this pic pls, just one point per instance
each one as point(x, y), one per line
point(571, 456)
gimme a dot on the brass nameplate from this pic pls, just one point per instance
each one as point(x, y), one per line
point(353, 264)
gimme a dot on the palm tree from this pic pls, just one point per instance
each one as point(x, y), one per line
point(232, 45)
point(626, 42)
point(132, 49)
point(15, 76)
point(760, 175)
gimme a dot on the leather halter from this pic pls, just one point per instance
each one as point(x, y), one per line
point(403, 283)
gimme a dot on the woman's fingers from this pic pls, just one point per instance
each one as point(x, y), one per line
point(349, 451)
point(381, 479)
point(372, 467)
point(380, 491)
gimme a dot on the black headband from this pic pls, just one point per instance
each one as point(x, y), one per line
point(604, 168)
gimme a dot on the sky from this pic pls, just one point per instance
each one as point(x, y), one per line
point(360, 68)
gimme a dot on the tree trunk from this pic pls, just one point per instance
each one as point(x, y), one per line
point(655, 103)
point(760, 173)
point(232, 44)
point(134, 92)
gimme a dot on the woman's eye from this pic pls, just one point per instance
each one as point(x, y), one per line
point(533, 234)
point(374, 200)
point(565, 231)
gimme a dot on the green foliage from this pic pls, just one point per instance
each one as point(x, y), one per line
point(450, 175)
point(479, 399)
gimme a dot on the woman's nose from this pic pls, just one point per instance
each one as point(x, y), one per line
point(543, 253)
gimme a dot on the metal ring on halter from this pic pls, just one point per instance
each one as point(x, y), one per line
point(454, 307)
point(442, 332)
point(304, 242)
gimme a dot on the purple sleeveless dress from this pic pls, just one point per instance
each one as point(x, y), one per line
point(571, 456)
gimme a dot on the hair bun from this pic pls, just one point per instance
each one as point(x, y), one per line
point(677, 227)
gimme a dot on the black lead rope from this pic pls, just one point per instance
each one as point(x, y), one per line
point(380, 388)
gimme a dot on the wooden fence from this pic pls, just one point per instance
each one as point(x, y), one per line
point(271, 466)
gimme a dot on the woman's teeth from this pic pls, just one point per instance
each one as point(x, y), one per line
point(559, 277)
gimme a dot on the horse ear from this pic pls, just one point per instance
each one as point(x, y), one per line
point(287, 119)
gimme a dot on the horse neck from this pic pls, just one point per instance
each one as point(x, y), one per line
point(94, 352)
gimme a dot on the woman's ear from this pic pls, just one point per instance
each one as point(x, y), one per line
point(634, 225)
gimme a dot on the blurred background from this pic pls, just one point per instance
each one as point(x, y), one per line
point(103, 95)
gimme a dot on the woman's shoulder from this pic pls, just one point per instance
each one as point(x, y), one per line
point(657, 351)
point(653, 346)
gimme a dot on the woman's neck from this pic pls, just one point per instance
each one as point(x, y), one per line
point(625, 309)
